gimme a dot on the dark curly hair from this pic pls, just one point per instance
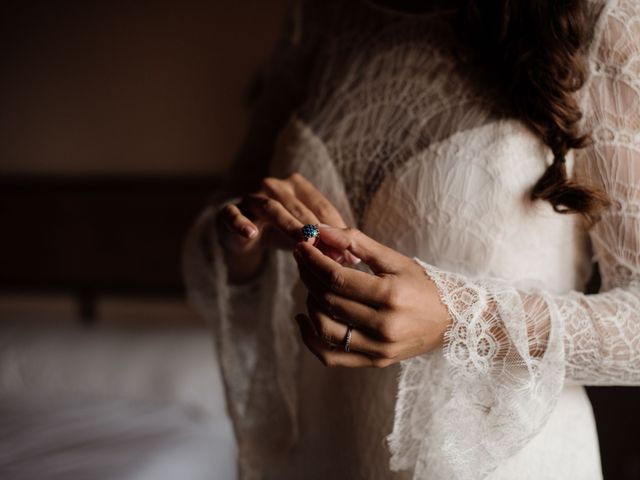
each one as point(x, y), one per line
point(535, 51)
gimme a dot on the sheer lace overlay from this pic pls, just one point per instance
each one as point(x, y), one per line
point(414, 155)
point(509, 350)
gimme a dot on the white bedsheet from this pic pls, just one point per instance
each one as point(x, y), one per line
point(105, 439)
point(111, 404)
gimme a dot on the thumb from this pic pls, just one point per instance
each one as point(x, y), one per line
point(379, 258)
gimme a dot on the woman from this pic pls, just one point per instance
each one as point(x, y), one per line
point(489, 155)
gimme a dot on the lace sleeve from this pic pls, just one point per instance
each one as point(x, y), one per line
point(251, 322)
point(509, 351)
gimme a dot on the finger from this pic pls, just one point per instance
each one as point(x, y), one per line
point(340, 256)
point(284, 193)
point(343, 309)
point(334, 333)
point(347, 282)
point(330, 356)
point(380, 258)
point(275, 214)
point(322, 208)
point(236, 222)
point(333, 255)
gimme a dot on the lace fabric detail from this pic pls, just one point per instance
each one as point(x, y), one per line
point(510, 350)
point(377, 111)
point(377, 104)
point(503, 377)
point(258, 375)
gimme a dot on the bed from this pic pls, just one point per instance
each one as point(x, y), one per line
point(111, 404)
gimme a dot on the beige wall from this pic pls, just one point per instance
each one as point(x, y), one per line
point(128, 87)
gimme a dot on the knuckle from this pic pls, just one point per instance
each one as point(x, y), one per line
point(232, 217)
point(354, 234)
point(328, 299)
point(229, 211)
point(291, 227)
point(327, 360)
point(324, 209)
point(393, 296)
point(237, 221)
point(389, 331)
point(296, 211)
point(387, 352)
point(315, 326)
point(336, 280)
point(269, 183)
point(332, 306)
point(269, 205)
point(236, 217)
point(296, 177)
point(382, 362)
point(326, 334)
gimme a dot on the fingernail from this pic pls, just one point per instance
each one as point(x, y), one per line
point(351, 258)
point(249, 232)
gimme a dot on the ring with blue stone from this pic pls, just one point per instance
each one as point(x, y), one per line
point(310, 231)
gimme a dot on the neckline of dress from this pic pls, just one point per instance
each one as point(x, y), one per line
point(503, 125)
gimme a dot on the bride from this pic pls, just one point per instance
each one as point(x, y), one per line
point(470, 165)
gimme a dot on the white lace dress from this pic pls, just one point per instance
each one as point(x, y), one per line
point(395, 134)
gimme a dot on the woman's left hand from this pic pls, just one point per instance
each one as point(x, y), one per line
point(395, 313)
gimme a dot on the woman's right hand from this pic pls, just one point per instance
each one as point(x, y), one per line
point(273, 218)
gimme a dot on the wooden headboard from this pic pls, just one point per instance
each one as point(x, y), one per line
point(95, 235)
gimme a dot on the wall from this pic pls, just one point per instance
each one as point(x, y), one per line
point(142, 87)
